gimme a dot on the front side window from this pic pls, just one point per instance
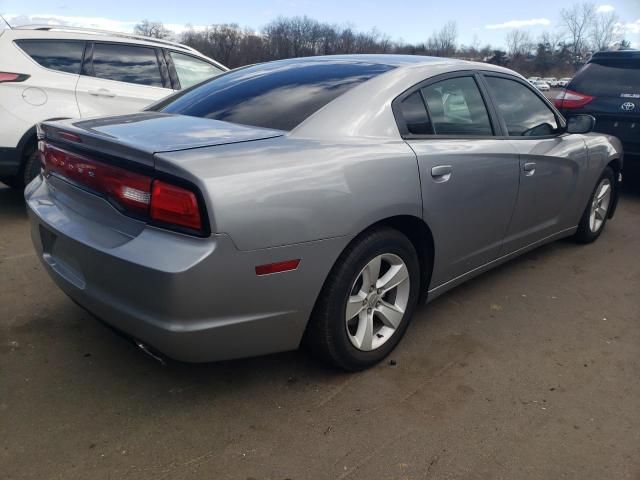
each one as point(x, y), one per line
point(278, 95)
point(191, 70)
point(522, 110)
point(126, 63)
point(60, 55)
point(456, 108)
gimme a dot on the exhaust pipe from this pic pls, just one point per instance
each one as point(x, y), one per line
point(149, 351)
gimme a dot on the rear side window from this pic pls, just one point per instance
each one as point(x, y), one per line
point(522, 110)
point(456, 107)
point(126, 63)
point(414, 113)
point(611, 79)
point(192, 70)
point(278, 95)
point(63, 56)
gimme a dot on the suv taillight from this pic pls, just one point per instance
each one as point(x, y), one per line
point(133, 193)
point(570, 99)
point(12, 77)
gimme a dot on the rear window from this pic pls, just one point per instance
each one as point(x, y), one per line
point(64, 56)
point(611, 79)
point(278, 95)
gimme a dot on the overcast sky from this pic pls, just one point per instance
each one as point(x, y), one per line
point(482, 21)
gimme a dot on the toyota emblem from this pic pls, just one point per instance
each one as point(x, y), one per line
point(628, 106)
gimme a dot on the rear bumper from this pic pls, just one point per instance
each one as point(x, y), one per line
point(9, 161)
point(192, 299)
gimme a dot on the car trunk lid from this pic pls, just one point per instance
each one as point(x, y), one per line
point(114, 158)
point(138, 137)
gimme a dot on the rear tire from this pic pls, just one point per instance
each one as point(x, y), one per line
point(361, 287)
point(31, 166)
point(596, 213)
point(29, 170)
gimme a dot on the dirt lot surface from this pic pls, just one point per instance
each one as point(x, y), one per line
point(528, 372)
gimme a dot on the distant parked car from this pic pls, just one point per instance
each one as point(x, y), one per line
point(542, 86)
point(608, 87)
point(551, 81)
point(532, 80)
point(563, 82)
point(49, 72)
point(313, 198)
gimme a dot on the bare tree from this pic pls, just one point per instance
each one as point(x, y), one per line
point(152, 29)
point(519, 43)
point(577, 21)
point(552, 38)
point(443, 43)
point(288, 37)
point(603, 32)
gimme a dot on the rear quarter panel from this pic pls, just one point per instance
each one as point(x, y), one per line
point(288, 190)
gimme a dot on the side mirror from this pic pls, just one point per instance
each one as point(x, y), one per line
point(580, 123)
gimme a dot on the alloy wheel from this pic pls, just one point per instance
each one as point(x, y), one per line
point(377, 302)
point(600, 205)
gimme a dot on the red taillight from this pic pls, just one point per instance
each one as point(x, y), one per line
point(175, 205)
point(131, 191)
point(12, 77)
point(571, 99)
point(134, 193)
point(278, 267)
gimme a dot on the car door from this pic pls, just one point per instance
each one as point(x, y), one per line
point(120, 78)
point(469, 178)
point(550, 162)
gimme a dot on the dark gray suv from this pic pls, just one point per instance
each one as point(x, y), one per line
point(608, 87)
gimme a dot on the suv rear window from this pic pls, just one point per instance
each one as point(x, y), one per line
point(278, 95)
point(61, 55)
point(612, 78)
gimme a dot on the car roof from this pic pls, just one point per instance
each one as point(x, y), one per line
point(74, 33)
point(366, 110)
point(616, 55)
point(399, 61)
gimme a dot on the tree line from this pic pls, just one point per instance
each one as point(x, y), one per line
point(559, 51)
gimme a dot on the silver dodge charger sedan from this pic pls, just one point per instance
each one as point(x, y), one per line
point(314, 200)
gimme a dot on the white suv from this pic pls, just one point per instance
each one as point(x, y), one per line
point(51, 73)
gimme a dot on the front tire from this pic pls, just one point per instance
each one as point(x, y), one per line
point(597, 210)
point(367, 301)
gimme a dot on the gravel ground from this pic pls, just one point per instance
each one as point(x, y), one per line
point(528, 372)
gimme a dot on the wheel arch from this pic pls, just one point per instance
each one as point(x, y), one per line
point(30, 136)
point(420, 235)
point(616, 166)
point(28, 139)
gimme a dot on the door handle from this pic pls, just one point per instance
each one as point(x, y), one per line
point(441, 173)
point(102, 92)
point(529, 168)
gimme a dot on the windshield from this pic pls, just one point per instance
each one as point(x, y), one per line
point(278, 95)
